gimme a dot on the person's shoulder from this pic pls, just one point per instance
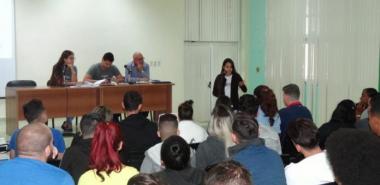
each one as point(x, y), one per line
point(324, 127)
point(220, 76)
point(237, 75)
point(129, 170)
point(88, 177)
point(114, 67)
point(56, 133)
point(292, 172)
point(54, 171)
point(130, 63)
point(283, 110)
point(14, 134)
point(188, 125)
point(94, 66)
point(154, 149)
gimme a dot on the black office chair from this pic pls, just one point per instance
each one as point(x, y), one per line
point(22, 83)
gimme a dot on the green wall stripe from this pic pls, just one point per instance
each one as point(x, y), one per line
point(257, 43)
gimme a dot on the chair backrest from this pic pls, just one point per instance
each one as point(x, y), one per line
point(22, 83)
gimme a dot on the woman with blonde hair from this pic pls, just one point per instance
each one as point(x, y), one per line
point(214, 149)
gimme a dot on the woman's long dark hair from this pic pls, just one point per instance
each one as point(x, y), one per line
point(228, 60)
point(56, 78)
point(268, 104)
point(344, 114)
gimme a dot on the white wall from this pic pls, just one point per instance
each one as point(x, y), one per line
point(45, 28)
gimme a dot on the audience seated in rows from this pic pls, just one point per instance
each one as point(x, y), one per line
point(76, 158)
point(139, 133)
point(294, 110)
point(145, 179)
point(188, 129)
point(214, 149)
point(34, 112)
point(264, 164)
point(342, 117)
point(314, 169)
point(34, 147)
point(354, 156)
point(105, 164)
point(175, 156)
point(167, 126)
point(267, 114)
point(228, 173)
point(249, 104)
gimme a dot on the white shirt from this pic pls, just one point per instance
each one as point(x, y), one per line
point(313, 170)
point(227, 87)
point(192, 132)
point(271, 138)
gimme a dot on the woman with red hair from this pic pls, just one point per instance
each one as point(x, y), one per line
point(105, 165)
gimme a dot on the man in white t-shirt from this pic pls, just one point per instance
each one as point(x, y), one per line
point(190, 131)
point(315, 168)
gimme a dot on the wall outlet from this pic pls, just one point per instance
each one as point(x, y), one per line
point(155, 63)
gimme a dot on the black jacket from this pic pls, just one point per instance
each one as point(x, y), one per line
point(327, 129)
point(220, 82)
point(188, 176)
point(139, 134)
point(76, 158)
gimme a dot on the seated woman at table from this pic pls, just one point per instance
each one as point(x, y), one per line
point(64, 72)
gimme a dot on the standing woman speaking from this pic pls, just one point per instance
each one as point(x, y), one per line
point(63, 73)
point(227, 83)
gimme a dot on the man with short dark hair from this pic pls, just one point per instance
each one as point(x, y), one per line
point(354, 156)
point(264, 164)
point(139, 133)
point(228, 173)
point(35, 113)
point(34, 146)
point(294, 110)
point(76, 158)
point(314, 169)
point(104, 70)
point(167, 126)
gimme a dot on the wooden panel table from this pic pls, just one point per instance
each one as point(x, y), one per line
point(54, 100)
point(156, 97)
point(74, 101)
point(81, 100)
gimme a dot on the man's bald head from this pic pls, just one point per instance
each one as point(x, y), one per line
point(33, 139)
